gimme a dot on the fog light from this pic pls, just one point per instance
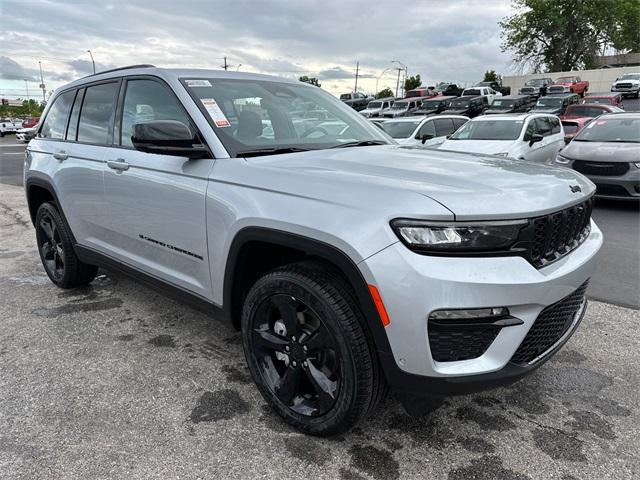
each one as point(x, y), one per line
point(464, 314)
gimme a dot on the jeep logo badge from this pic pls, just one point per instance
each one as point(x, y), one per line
point(575, 188)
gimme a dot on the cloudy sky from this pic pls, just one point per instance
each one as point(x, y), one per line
point(452, 40)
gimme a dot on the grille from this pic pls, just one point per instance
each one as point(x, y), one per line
point(557, 234)
point(623, 85)
point(556, 89)
point(601, 168)
point(611, 190)
point(450, 343)
point(552, 323)
point(527, 90)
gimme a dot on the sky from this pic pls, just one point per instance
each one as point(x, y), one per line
point(452, 40)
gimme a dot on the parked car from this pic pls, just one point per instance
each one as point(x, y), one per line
point(402, 108)
point(570, 84)
point(433, 106)
point(376, 107)
point(449, 90)
point(628, 84)
point(607, 151)
point(427, 131)
point(495, 86)
point(534, 137)
point(588, 110)
point(24, 135)
point(471, 106)
point(535, 86)
point(510, 104)
point(30, 122)
point(421, 92)
point(356, 100)
point(572, 126)
point(488, 92)
point(613, 99)
point(319, 250)
point(555, 104)
point(9, 125)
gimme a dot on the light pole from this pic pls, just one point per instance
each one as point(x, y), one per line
point(92, 61)
point(44, 99)
point(26, 84)
point(402, 67)
point(238, 67)
point(379, 77)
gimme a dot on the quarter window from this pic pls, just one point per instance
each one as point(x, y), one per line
point(72, 129)
point(55, 123)
point(543, 126)
point(555, 125)
point(145, 101)
point(97, 114)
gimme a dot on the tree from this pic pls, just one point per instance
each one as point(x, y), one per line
point(311, 80)
point(561, 35)
point(385, 92)
point(491, 76)
point(412, 82)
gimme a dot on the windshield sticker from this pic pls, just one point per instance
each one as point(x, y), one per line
point(197, 83)
point(215, 113)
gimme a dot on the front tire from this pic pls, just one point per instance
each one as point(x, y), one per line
point(307, 350)
point(55, 244)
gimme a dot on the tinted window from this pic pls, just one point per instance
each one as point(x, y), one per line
point(489, 130)
point(444, 126)
point(72, 129)
point(145, 101)
point(611, 129)
point(97, 114)
point(458, 122)
point(555, 125)
point(399, 129)
point(426, 129)
point(543, 126)
point(56, 121)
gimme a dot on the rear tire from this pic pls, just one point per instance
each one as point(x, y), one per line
point(55, 244)
point(307, 350)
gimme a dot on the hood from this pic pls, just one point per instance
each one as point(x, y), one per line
point(473, 187)
point(425, 111)
point(497, 111)
point(487, 147)
point(603, 151)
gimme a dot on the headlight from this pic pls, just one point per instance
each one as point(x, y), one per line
point(461, 237)
point(562, 160)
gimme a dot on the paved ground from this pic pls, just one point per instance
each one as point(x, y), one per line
point(115, 381)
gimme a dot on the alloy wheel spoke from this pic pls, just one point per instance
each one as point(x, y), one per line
point(47, 228)
point(286, 306)
point(47, 251)
point(319, 339)
point(288, 386)
point(325, 388)
point(270, 340)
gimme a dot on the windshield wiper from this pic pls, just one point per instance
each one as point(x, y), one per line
point(362, 143)
point(271, 151)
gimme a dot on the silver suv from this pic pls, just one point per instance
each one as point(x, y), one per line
point(350, 264)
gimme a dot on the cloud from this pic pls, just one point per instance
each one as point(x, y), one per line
point(12, 70)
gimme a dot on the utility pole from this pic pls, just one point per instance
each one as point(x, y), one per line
point(26, 84)
point(92, 62)
point(403, 67)
point(398, 81)
point(355, 88)
point(44, 98)
point(226, 65)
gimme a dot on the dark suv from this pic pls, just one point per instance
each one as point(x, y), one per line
point(469, 106)
point(510, 104)
point(433, 106)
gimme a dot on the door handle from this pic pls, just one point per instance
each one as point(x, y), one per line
point(61, 155)
point(119, 164)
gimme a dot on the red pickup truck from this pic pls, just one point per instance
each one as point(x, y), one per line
point(570, 84)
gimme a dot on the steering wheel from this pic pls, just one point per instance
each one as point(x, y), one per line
point(308, 132)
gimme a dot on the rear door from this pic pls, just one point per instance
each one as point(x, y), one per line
point(157, 202)
point(534, 152)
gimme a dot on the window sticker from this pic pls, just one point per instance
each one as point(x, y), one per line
point(215, 113)
point(198, 83)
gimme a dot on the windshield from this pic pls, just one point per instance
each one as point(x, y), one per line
point(489, 130)
point(584, 111)
point(239, 110)
point(374, 105)
point(400, 129)
point(565, 80)
point(345, 96)
point(612, 129)
point(549, 102)
point(601, 100)
point(537, 82)
point(430, 104)
point(502, 104)
point(630, 76)
point(399, 106)
point(472, 91)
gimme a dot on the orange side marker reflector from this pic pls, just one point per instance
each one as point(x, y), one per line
point(377, 299)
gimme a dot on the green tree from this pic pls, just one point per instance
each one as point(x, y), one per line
point(491, 76)
point(311, 80)
point(559, 35)
point(412, 82)
point(385, 92)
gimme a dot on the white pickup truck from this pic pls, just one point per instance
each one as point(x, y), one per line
point(9, 125)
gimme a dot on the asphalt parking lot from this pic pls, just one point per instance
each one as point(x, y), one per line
point(116, 381)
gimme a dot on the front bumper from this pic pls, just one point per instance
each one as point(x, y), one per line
point(626, 91)
point(623, 187)
point(412, 286)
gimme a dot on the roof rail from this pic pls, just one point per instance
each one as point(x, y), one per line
point(142, 65)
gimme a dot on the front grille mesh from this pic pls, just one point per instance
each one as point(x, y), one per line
point(450, 343)
point(601, 168)
point(552, 323)
point(556, 89)
point(559, 233)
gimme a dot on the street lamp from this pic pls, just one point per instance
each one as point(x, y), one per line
point(379, 77)
point(404, 67)
point(92, 61)
point(238, 67)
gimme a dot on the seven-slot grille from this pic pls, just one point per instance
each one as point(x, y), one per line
point(601, 168)
point(550, 326)
point(557, 234)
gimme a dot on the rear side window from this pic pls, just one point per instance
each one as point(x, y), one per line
point(55, 123)
point(543, 127)
point(148, 100)
point(97, 114)
point(458, 122)
point(444, 126)
point(555, 125)
point(426, 129)
point(72, 129)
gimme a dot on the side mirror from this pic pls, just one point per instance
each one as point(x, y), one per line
point(167, 137)
point(427, 136)
point(535, 138)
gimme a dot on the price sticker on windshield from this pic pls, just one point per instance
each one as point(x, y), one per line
point(215, 112)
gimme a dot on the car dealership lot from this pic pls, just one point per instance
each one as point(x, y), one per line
point(114, 380)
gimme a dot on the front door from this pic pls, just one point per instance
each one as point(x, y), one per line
point(157, 202)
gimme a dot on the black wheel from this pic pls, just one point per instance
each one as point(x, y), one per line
point(56, 250)
point(307, 350)
point(1, 134)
